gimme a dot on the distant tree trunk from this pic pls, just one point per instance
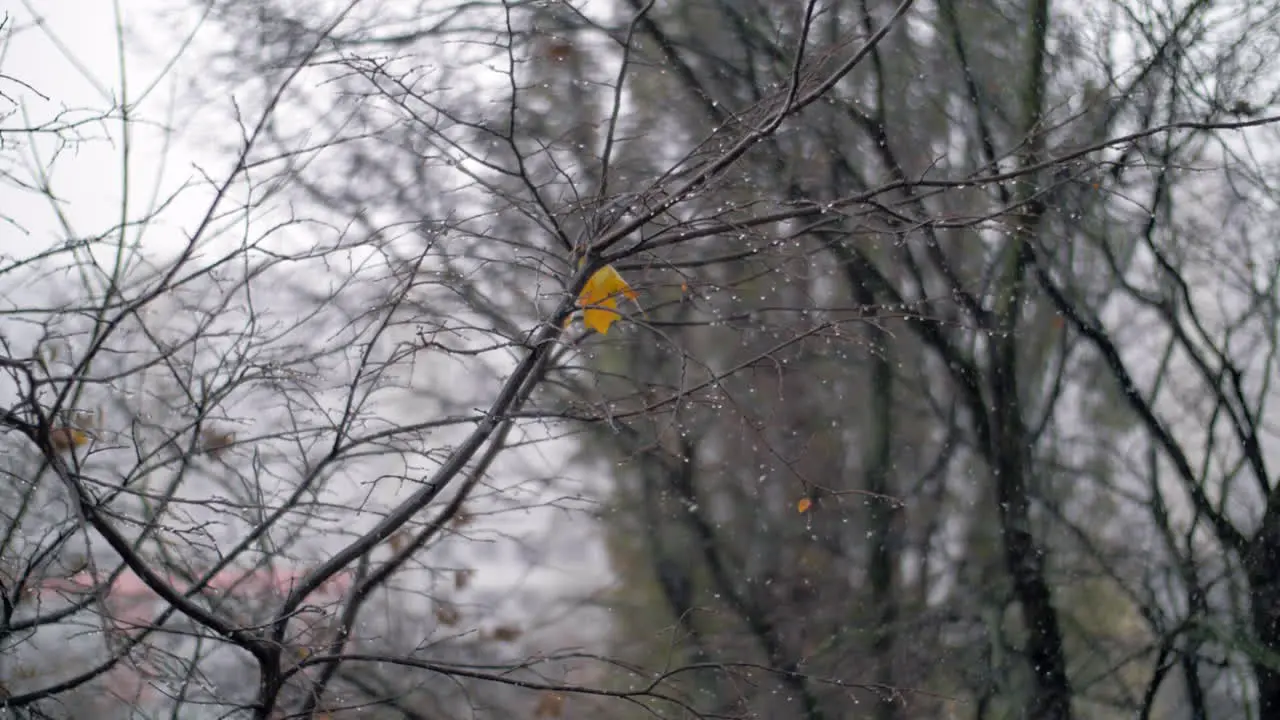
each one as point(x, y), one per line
point(1262, 566)
point(1024, 558)
point(1008, 449)
point(883, 516)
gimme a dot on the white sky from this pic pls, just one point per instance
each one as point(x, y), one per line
point(72, 59)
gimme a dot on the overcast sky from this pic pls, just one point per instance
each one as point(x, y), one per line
point(72, 60)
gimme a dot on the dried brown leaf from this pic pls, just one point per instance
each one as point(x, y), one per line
point(447, 614)
point(462, 578)
point(215, 442)
point(506, 633)
point(461, 519)
point(550, 705)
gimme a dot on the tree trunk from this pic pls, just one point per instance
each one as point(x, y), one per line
point(1024, 558)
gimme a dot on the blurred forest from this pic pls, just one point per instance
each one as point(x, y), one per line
point(934, 380)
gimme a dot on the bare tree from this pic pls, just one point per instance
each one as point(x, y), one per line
point(257, 458)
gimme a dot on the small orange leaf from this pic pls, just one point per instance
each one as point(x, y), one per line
point(66, 438)
point(804, 505)
point(599, 298)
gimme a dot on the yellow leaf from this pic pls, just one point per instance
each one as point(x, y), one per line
point(804, 505)
point(599, 298)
